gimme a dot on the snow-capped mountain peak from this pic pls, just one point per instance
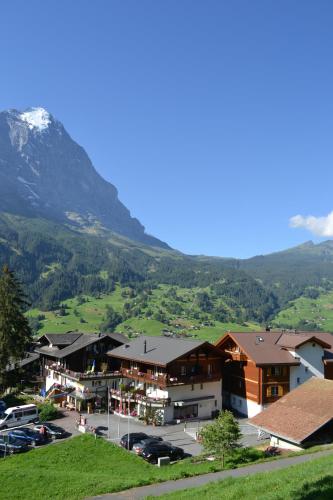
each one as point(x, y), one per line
point(36, 118)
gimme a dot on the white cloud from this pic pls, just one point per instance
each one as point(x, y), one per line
point(320, 226)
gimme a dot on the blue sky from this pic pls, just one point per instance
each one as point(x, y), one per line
point(213, 118)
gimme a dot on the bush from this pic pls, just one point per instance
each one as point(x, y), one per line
point(48, 412)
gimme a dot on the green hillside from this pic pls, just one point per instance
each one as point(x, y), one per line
point(165, 307)
point(308, 481)
point(307, 313)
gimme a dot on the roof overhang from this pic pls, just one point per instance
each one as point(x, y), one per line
point(290, 438)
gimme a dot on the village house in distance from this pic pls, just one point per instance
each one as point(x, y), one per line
point(181, 379)
point(262, 367)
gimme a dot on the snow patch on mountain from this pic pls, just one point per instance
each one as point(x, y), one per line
point(36, 118)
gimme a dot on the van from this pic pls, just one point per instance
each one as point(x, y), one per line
point(18, 415)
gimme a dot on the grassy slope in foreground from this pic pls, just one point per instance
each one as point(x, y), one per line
point(309, 481)
point(315, 311)
point(82, 467)
point(88, 316)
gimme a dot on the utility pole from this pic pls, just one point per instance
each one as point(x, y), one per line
point(108, 411)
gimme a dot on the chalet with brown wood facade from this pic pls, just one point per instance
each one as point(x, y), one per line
point(180, 379)
point(262, 367)
point(76, 367)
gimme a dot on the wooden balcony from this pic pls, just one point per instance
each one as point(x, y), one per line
point(237, 356)
point(83, 375)
point(169, 380)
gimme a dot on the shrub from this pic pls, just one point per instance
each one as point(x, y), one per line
point(48, 412)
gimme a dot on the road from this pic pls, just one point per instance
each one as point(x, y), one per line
point(181, 484)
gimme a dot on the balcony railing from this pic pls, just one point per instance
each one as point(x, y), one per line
point(168, 380)
point(139, 398)
point(83, 375)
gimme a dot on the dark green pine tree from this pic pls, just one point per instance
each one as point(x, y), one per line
point(15, 333)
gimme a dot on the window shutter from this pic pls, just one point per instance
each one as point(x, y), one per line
point(280, 391)
point(268, 392)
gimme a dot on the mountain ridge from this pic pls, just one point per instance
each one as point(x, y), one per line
point(44, 172)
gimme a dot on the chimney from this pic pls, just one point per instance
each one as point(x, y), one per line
point(145, 347)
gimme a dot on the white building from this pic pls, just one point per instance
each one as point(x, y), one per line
point(175, 379)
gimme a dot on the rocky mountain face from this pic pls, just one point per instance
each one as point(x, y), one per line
point(44, 172)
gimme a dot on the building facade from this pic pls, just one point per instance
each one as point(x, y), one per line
point(175, 379)
point(262, 367)
point(76, 368)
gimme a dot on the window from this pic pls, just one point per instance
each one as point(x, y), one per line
point(298, 380)
point(201, 386)
point(209, 369)
point(306, 368)
point(274, 390)
point(275, 371)
point(215, 403)
point(183, 370)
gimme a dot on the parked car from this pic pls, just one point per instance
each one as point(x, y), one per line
point(138, 447)
point(52, 431)
point(29, 436)
point(11, 446)
point(128, 440)
point(154, 451)
point(18, 415)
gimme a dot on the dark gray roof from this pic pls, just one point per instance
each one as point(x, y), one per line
point(159, 350)
point(62, 339)
point(82, 340)
point(29, 358)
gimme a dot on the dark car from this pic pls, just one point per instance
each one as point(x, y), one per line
point(28, 436)
point(154, 451)
point(140, 445)
point(11, 445)
point(52, 431)
point(128, 440)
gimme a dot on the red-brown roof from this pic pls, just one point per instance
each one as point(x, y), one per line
point(300, 413)
point(294, 340)
point(271, 348)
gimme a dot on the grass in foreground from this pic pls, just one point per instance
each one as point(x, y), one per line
point(82, 467)
point(309, 481)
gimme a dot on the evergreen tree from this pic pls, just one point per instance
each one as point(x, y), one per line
point(15, 332)
point(112, 319)
point(222, 436)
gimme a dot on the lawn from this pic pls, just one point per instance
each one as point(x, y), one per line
point(85, 314)
point(309, 481)
point(317, 312)
point(83, 466)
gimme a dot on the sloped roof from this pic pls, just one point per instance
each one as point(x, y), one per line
point(62, 339)
point(159, 350)
point(262, 349)
point(271, 348)
point(82, 340)
point(296, 416)
point(30, 357)
point(294, 340)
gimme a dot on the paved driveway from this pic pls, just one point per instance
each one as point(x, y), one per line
point(176, 434)
point(122, 425)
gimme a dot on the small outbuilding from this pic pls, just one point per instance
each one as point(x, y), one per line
point(301, 418)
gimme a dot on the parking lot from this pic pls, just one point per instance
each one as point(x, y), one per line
point(181, 435)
